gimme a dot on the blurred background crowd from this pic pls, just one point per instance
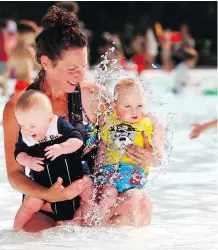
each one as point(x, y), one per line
point(146, 35)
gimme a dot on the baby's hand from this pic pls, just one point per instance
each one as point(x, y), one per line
point(146, 145)
point(53, 151)
point(36, 163)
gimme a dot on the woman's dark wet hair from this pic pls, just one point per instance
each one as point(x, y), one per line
point(60, 32)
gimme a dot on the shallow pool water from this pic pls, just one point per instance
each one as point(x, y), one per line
point(184, 194)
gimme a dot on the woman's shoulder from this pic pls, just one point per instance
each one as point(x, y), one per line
point(92, 95)
point(13, 100)
point(92, 87)
point(10, 106)
point(9, 114)
point(93, 91)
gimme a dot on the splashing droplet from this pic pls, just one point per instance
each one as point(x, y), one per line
point(107, 73)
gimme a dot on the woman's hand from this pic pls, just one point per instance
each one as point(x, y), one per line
point(143, 156)
point(59, 193)
point(149, 156)
point(158, 135)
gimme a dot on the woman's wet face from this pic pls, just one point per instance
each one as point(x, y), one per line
point(70, 69)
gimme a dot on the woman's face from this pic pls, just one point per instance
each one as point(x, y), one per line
point(70, 70)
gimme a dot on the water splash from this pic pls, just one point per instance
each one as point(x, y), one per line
point(108, 72)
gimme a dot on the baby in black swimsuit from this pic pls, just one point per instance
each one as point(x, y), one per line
point(51, 147)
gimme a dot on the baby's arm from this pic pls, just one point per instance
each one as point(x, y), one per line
point(71, 145)
point(67, 147)
point(200, 128)
point(210, 124)
point(23, 158)
point(33, 163)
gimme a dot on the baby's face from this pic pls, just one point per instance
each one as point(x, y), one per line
point(130, 105)
point(34, 122)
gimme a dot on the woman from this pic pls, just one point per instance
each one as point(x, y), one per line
point(62, 52)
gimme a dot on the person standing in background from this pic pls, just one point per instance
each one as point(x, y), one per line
point(8, 41)
point(182, 71)
point(21, 61)
point(186, 42)
point(138, 48)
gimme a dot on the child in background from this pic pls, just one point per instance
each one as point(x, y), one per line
point(126, 125)
point(182, 71)
point(51, 147)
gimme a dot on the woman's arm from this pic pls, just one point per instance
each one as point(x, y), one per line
point(102, 148)
point(5, 77)
point(97, 101)
point(15, 171)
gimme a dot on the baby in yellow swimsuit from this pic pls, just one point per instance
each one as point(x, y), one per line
point(126, 125)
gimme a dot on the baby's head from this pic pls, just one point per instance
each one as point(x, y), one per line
point(34, 113)
point(129, 100)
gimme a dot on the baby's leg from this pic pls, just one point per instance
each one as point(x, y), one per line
point(108, 197)
point(28, 208)
point(88, 205)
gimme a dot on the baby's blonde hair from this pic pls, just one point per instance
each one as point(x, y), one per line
point(33, 98)
point(127, 83)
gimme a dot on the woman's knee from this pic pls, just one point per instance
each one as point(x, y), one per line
point(145, 211)
point(38, 223)
point(139, 207)
point(31, 203)
point(110, 190)
point(140, 198)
